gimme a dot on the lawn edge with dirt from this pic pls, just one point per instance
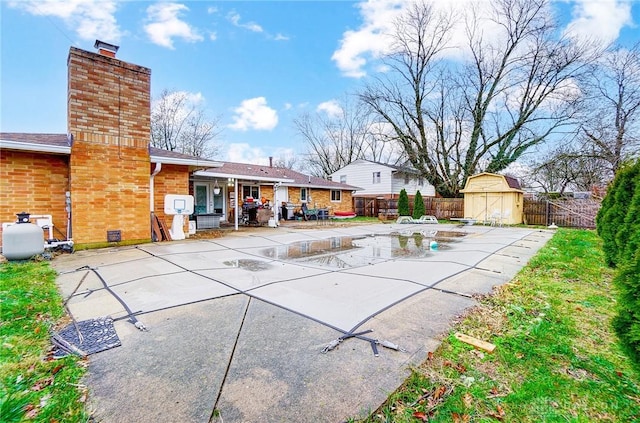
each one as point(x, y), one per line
point(556, 356)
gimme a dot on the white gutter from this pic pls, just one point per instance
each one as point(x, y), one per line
point(184, 162)
point(39, 148)
point(157, 170)
point(240, 176)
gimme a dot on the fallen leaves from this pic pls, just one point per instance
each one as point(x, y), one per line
point(41, 384)
point(421, 416)
point(499, 413)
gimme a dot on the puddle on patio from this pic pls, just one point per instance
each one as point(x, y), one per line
point(248, 264)
point(344, 252)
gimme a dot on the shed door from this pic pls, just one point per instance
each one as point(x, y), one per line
point(484, 205)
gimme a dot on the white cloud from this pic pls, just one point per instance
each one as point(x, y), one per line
point(281, 37)
point(331, 108)
point(245, 153)
point(90, 19)
point(254, 113)
point(288, 106)
point(213, 35)
point(165, 24)
point(602, 19)
point(369, 40)
point(212, 10)
point(234, 18)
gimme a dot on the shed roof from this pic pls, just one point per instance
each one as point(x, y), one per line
point(501, 183)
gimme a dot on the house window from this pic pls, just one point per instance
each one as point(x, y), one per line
point(336, 195)
point(343, 179)
point(250, 191)
point(406, 179)
point(304, 194)
point(376, 177)
point(420, 181)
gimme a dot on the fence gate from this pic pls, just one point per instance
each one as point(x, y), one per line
point(574, 213)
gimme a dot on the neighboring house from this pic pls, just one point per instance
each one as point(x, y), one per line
point(215, 189)
point(382, 180)
point(103, 177)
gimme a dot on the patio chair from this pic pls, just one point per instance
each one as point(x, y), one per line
point(426, 219)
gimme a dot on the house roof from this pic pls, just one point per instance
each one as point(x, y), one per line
point(396, 168)
point(61, 144)
point(159, 155)
point(42, 143)
point(261, 173)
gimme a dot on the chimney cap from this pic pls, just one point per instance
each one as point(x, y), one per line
point(101, 45)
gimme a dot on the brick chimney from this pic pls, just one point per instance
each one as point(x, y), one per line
point(108, 115)
point(106, 49)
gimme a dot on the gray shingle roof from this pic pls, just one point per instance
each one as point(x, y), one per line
point(299, 179)
point(60, 140)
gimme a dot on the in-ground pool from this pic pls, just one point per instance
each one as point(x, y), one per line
point(351, 251)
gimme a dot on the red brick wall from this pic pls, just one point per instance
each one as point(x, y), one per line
point(108, 116)
point(172, 179)
point(35, 183)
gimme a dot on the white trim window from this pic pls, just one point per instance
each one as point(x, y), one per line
point(304, 194)
point(343, 179)
point(336, 195)
point(376, 177)
point(250, 191)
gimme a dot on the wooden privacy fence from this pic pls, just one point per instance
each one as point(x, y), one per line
point(574, 213)
point(442, 208)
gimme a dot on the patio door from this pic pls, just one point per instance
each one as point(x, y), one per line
point(206, 200)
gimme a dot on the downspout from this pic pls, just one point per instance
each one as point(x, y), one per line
point(157, 170)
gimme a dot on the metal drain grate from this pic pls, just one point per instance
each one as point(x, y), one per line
point(89, 336)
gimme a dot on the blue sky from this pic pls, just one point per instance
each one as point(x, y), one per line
point(256, 64)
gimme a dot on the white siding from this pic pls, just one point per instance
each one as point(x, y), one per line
point(360, 174)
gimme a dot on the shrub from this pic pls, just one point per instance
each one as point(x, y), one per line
point(418, 206)
point(403, 203)
point(627, 280)
point(611, 216)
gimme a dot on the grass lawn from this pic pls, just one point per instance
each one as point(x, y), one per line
point(33, 386)
point(556, 356)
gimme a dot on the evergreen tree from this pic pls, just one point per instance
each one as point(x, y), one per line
point(418, 206)
point(627, 280)
point(611, 217)
point(403, 204)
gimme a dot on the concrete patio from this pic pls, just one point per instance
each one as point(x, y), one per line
point(238, 324)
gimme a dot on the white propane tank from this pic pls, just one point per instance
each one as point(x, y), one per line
point(22, 240)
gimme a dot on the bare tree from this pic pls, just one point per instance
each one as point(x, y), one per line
point(611, 126)
point(567, 168)
point(511, 93)
point(286, 162)
point(338, 138)
point(178, 123)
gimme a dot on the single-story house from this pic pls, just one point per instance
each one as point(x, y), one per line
point(103, 181)
point(382, 180)
point(216, 189)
